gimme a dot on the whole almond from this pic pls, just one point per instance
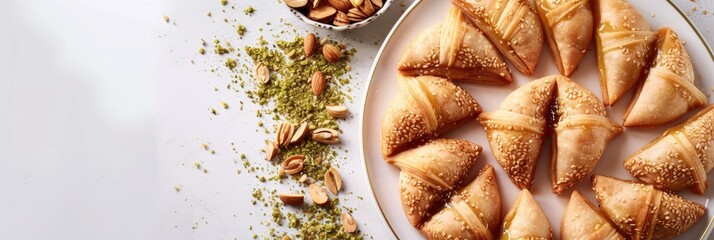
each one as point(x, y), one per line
point(322, 13)
point(337, 111)
point(342, 5)
point(262, 73)
point(295, 3)
point(331, 53)
point(309, 44)
point(318, 82)
point(293, 164)
point(348, 223)
point(318, 194)
point(271, 150)
point(292, 199)
point(299, 134)
point(333, 180)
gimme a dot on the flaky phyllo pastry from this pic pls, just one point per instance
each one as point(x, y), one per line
point(455, 50)
point(640, 211)
point(668, 92)
point(515, 131)
point(424, 107)
point(624, 44)
point(473, 212)
point(511, 25)
point(569, 27)
point(526, 220)
point(580, 134)
point(680, 158)
point(431, 171)
point(582, 221)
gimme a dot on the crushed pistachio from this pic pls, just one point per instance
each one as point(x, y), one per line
point(249, 10)
point(202, 51)
point(224, 2)
point(231, 63)
point(241, 29)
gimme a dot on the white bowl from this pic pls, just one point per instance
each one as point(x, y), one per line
point(360, 24)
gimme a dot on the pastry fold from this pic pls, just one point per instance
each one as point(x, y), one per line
point(424, 108)
point(680, 158)
point(515, 131)
point(455, 50)
point(582, 221)
point(624, 45)
point(526, 220)
point(431, 171)
point(569, 27)
point(473, 212)
point(640, 211)
point(511, 25)
point(580, 134)
point(668, 92)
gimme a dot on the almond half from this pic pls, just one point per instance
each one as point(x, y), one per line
point(318, 194)
point(299, 134)
point(293, 164)
point(333, 180)
point(337, 111)
point(292, 199)
point(271, 150)
point(295, 3)
point(348, 223)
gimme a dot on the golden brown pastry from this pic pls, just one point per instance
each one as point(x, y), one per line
point(569, 27)
point(580, 134)
point(455, 50)
point(430, 171)
point(511, 25)
point(526, 220)
point(582, 221)
point(680, 158)
point(473, 212)
point(424, 108)
point(624, 44)
point(668, 92)
point(515, 131)
point(640, 211)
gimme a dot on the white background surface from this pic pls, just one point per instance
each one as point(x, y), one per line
point(102, 114)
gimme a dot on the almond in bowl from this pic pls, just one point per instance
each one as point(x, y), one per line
point(338, 14)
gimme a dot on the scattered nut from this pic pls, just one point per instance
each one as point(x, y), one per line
point(262, 73)
point(284, 134)
point(309, 44)
point(318, 194)
point(318, 83)
point(326, 135)
point(337, 111)
point(333, 180)
point(295, 3)
point(303, 178)
point(299, 134)
point(331, 53)
point(292, 199)
point(348, 223)
point(271, 150)
point(293, 164)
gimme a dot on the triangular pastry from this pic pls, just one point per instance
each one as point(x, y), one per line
point(582, 221)
point(515, 131)
point(473, 212)
point(526, 220)
point(668, 92)
point(680, 158)
point(455, 50)
point(511, 25)
point(640, 211)
point(424, 107)
point(431, 171)
point(569, 27)
point(581, 133)
point(624, 45)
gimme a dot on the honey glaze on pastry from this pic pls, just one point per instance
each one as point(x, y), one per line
point(680, 158)
point(569, 27)
point(668, 92)
point(431, 171)
point(624, 45)
point(526, 220)
point(640, 211)
point(580, 134)
point(473, 212)
point(424, 108)
point(515, 131)
point(455, 50)
point(511, 25)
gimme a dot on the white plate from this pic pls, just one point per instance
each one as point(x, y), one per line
point(383, 178)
